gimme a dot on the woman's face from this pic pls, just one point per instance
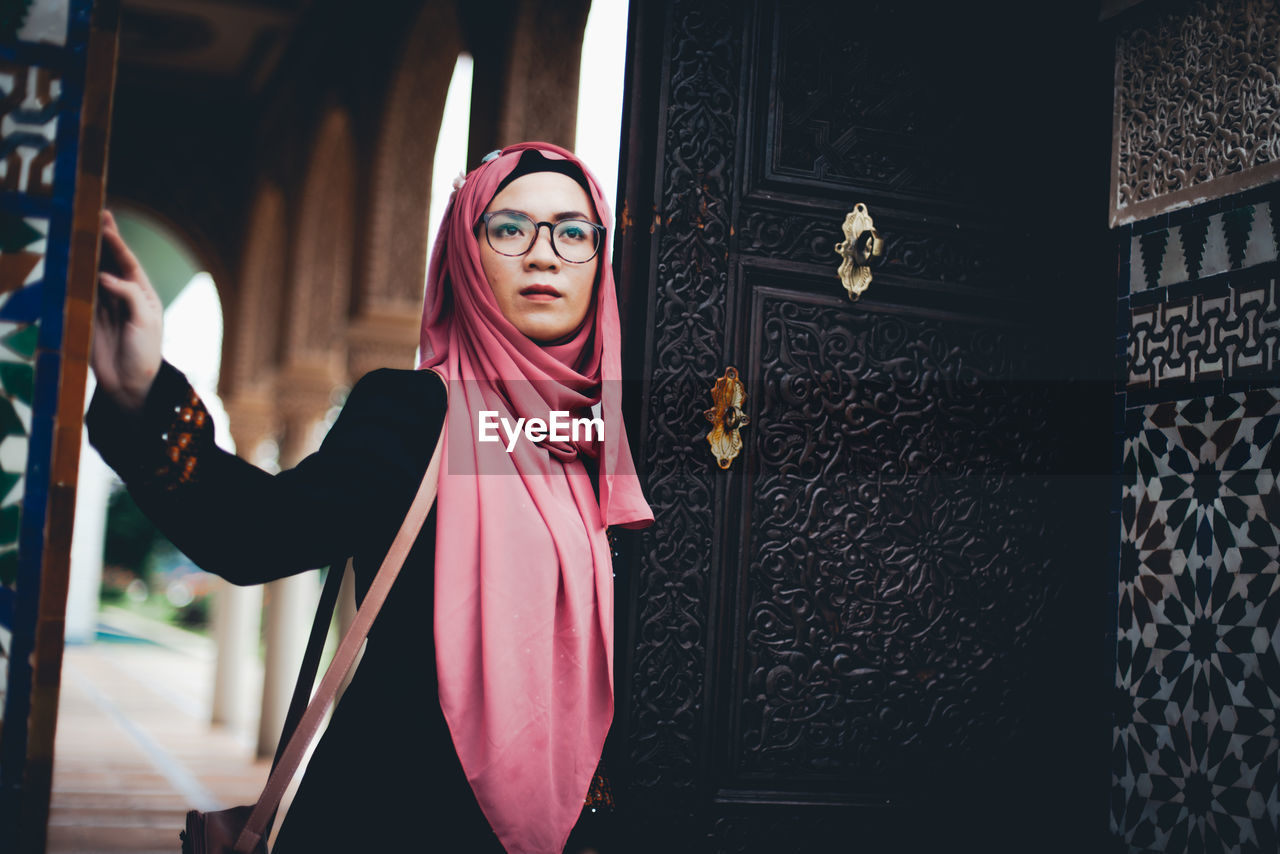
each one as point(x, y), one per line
point(541, 315)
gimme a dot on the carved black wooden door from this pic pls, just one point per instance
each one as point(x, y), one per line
point(879, 628)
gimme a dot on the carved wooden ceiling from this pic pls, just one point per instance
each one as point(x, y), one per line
point(231, 46)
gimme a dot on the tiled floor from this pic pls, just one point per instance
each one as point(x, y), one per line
point(134, 750)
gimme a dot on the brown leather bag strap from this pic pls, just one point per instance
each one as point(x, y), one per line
point(343, 659)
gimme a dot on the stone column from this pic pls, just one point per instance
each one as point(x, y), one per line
point(302, 390)
point(93, 491)
point(238, 610)
point(528, 54)
point(383, 339)
point(251, 411)
point(392, 268)
point(237, 620)
point(290, 607)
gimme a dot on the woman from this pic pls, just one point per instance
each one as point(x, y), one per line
point(488, 737)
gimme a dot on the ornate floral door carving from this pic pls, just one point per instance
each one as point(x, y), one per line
point(856, 624)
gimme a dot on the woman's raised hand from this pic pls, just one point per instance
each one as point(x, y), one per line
point(129, 324)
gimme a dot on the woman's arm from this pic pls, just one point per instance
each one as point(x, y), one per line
point(228, 516)
point(248, 526)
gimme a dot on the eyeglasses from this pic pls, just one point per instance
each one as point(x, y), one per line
point(513, 234)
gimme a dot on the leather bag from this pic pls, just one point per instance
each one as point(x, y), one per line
point(244, 829)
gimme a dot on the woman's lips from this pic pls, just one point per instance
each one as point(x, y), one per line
point(540, 293)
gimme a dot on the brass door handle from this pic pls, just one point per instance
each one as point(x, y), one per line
point(861, 243)
point(726, 417)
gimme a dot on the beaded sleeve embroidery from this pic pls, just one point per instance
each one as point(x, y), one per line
point(600, 795)
point(189, 430)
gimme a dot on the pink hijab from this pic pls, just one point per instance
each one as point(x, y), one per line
point(523, 574)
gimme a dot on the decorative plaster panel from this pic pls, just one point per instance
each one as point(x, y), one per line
point(1197, 109)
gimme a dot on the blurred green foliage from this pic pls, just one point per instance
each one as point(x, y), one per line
point(130, 535)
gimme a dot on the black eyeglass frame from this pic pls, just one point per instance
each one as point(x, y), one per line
point(537, 230)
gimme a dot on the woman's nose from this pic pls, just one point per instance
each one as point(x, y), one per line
point(542, 254)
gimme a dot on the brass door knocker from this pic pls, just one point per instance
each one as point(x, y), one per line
point(726, 417)
point(861, 243)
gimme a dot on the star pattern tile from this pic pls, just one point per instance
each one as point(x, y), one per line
point(1195, 744)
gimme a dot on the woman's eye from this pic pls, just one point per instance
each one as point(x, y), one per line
point(508, 229)
point(573, 232)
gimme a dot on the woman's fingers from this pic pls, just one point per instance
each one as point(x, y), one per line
point(117, 256)
point(113, 283)
point(115, 306)
point(129, 280)
point(118, 296)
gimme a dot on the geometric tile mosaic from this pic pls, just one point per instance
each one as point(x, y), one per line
point(23, 242)
point(1228, 333)
point(17, 381)
point(29, 107)
point(22, 250)
point(45, 21)
point(1233, 240)
point(6, 643)
point(48, 47)
point(1196, 750)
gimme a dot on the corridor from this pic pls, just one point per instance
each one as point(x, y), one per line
point(134, 750)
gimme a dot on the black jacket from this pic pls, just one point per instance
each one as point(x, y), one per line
point(385, 776)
